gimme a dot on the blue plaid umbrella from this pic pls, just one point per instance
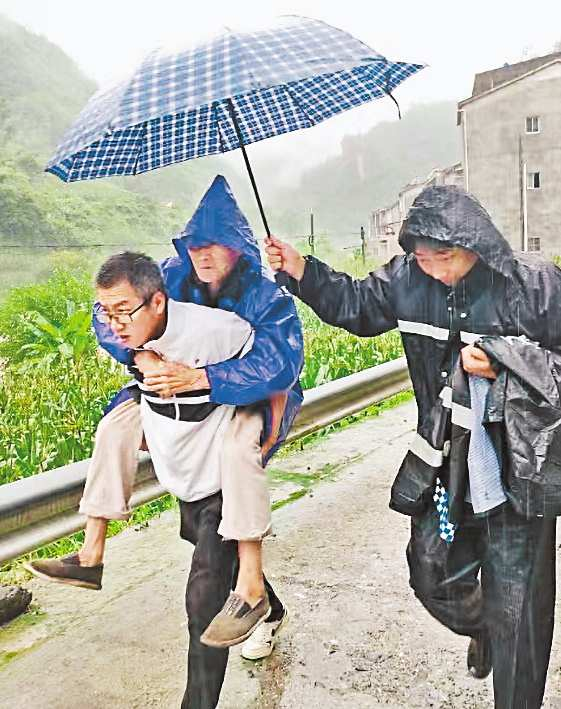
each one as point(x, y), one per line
point(223, 94)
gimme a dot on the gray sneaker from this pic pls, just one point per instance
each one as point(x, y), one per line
point(67, 570)
point(235, 622)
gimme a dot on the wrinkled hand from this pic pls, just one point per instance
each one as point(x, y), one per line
point(278, 405)
point(475, 361)
point(170, 378)
point(283, 257)
point(146, 359)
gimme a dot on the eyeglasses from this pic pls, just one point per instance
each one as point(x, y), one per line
point(120, 318)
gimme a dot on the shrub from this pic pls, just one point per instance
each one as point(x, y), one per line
point(49, 413)
point(30, 311)
point(54, 385)
point(332, 353)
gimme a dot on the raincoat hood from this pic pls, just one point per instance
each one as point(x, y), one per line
point(219, 220)
point(275, 360)
point(452, 216)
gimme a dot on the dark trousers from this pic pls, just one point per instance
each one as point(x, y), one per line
point(514, 602)
point(212, 576)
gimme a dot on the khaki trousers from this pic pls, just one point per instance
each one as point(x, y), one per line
point(246, 507)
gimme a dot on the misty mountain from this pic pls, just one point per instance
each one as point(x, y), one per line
point(41, 89)
point(373, 167)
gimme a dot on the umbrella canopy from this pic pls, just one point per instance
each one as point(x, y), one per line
point(236, 89)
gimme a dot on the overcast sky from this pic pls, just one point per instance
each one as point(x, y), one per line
point(107, 38)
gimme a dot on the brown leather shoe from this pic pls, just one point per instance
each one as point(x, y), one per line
point(479, 656)
point(67, 570)
point(235, 622)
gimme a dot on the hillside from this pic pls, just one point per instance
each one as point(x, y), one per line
point(373, 167)
point(41, 89)
point(41, 93)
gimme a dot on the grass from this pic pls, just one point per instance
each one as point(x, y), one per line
point(306, 481)
point(33, 616)
point(332, 353)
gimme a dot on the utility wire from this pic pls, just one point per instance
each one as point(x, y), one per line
point(82, 246)
point(24, 247)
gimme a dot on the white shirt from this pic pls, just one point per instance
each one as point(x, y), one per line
point(186, 454)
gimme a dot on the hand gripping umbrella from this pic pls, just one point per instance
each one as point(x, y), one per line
point(233, 90)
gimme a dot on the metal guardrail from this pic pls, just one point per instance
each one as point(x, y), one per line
point(42, 508)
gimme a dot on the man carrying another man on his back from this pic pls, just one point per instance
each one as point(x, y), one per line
point(218, 265)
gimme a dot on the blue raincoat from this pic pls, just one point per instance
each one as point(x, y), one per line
point(276, 358)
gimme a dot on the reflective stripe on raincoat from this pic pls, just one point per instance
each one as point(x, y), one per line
point(505, 293)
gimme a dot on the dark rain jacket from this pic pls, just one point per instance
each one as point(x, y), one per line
point(276, 358)
point(503, 294)
point(523, 413)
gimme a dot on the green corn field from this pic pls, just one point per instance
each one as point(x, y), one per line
point(54, 384)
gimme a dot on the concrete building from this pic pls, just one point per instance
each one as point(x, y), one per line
point(511, 127)
point(386, 222)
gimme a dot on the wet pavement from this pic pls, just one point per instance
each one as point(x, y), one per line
point(357, 638)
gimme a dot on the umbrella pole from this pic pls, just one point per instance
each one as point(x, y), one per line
point(247, 164)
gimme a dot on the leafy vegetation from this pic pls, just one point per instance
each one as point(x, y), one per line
point(332, 353)
point(53, 301)
point(48, 414)
point(55, 384)
point(40, 215)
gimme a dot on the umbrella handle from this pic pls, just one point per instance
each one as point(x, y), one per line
point(281, 277)
point(247, 163)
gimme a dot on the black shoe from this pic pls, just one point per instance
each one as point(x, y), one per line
point(479, 656)
point(67, 570)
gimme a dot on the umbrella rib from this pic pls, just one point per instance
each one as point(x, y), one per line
point(300, 106)
point(215, 106)
point(140, 139)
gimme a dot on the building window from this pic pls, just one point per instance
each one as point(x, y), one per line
point(533, 124)
point(534, 243)
point(533, 181)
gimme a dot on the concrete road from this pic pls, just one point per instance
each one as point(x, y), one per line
point(357, 638)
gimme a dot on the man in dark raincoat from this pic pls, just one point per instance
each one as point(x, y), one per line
point(459, 280)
